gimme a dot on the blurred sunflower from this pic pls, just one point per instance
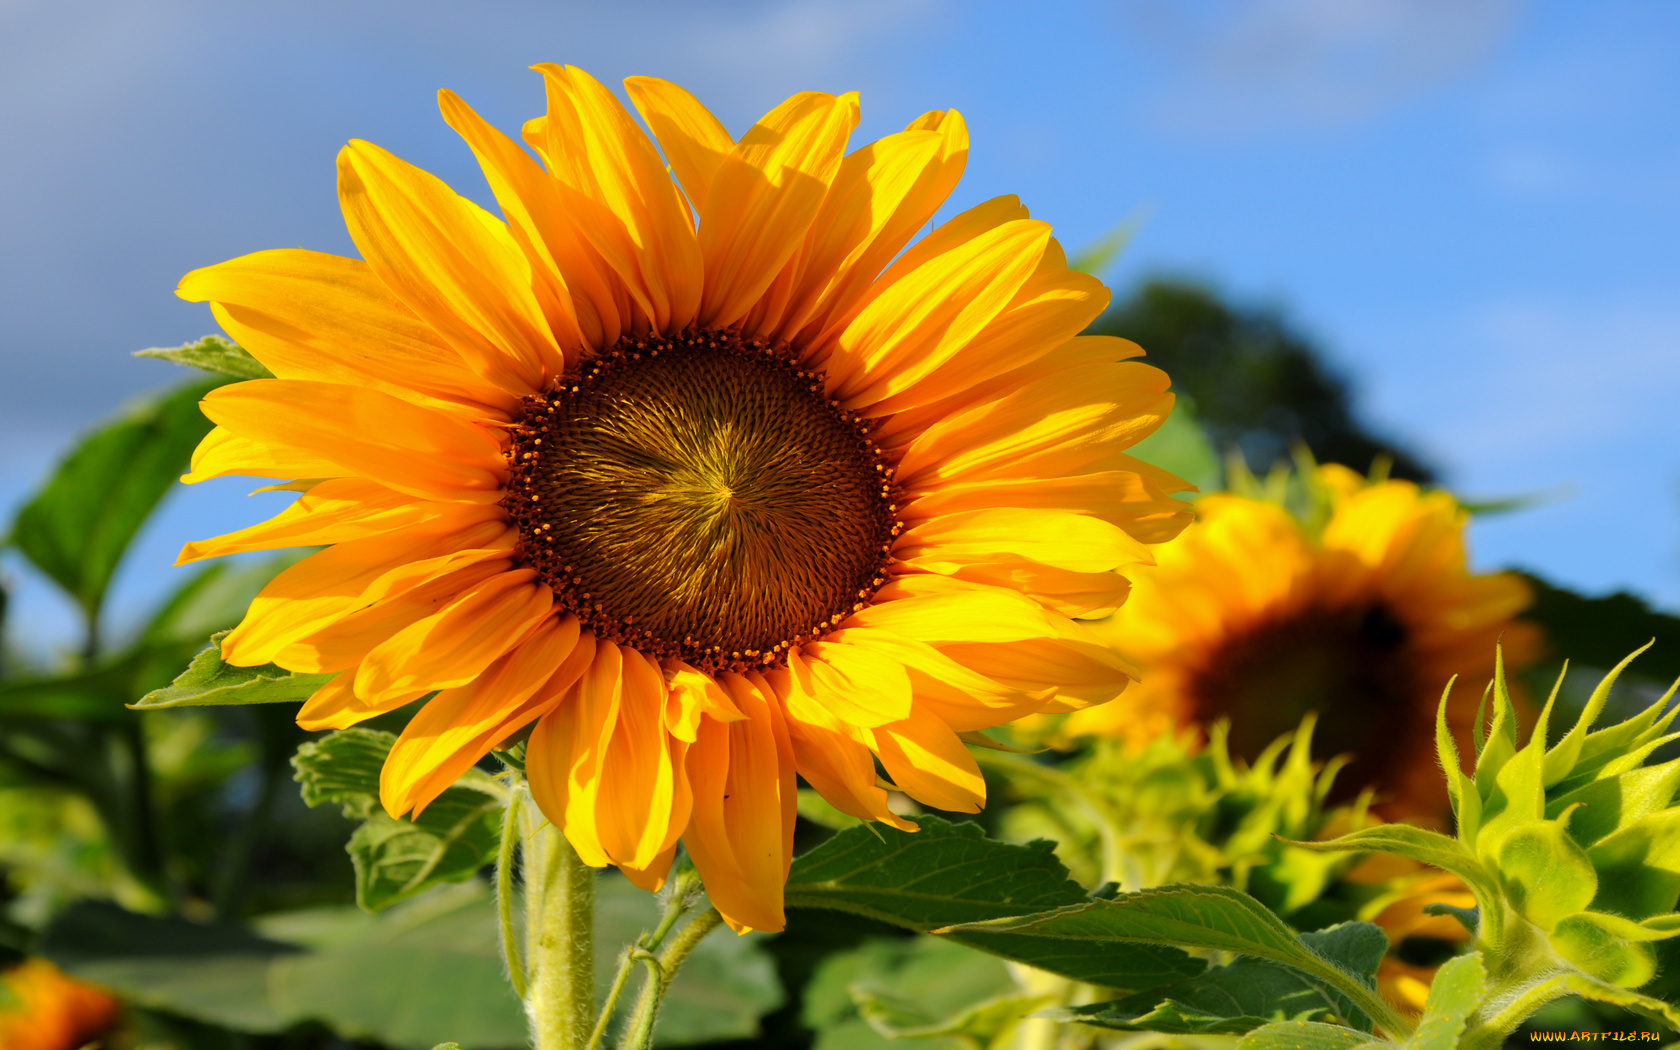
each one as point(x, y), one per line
point(42, 1009)
point(1258, 618)
point(705, 477)
point(1404, 889)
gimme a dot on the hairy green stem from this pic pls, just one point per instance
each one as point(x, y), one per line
point(504, 892)
point(678, 891)
point(559, 937)
point(1489, 1033)
point(639, 1034)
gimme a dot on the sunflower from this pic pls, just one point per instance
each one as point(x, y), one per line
point(1254, 617)
point(42, 1009)
point(713, 480)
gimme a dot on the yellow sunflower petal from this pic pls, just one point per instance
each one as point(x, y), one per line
point(458, 727)
point(1141, 503)
point(1050, 308)
point(862, 687)
point(367, 433)
point(741, 833)
point(924, 758)
point(222, 453)
point(452, 263)
point(454, 645)
point(1048, 428)
point(1058, 538)
point(338, 641)
point(764, 196)
point(566, 752)
point(933, 312)
point(644, 800)
point(1081, 595)
point(310, 315)
point(828, 754)
point(694, 141)
point(336, 510)
point(883, 193)
point(538, 220)
point(962, 697)
point(627, 206)
point(333, 706)
point(331, 584)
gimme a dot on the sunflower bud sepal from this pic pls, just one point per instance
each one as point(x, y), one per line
point(1569, 849)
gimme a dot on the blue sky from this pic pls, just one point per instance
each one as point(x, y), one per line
point(1472, 203)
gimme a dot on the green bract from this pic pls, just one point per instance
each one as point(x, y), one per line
point(1572, 849)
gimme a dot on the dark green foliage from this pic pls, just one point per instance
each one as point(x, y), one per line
point(78, 526)
point(1598, 632)
point(1247, 993)
point(396, 857)
point(947, 874)
point(1257, 383)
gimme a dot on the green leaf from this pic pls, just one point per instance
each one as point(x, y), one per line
point(949, 874)
point(1424, 846)
point(1302, 1035)
point(1248, 993)
point(396, 857)
point(212, 354)
point(208, 681)
point(1546, 875)
point(902, 985)
point(1216, 918)
point(1639, 866)
point(1453, 996)
point(1599, 946)
point(78, 526)
point(426, 969)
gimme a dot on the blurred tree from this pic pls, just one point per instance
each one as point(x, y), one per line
point(1256, 382)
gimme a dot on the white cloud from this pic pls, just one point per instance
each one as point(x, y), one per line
point(1245, 66)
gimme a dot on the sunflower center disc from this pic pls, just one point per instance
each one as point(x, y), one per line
point(1349, 665)
point(700, 497)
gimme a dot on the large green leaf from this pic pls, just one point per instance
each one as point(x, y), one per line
point(212, 354)
point(208, 681)
point(395, 857)
point(1215, 918)
point(928, 988)
point(1248, 993)
point(948, 874)
point(425, 970)
point(77, 527)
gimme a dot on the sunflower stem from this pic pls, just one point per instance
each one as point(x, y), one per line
point(559, 936)
point(639, 1034)
point(504, 892)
